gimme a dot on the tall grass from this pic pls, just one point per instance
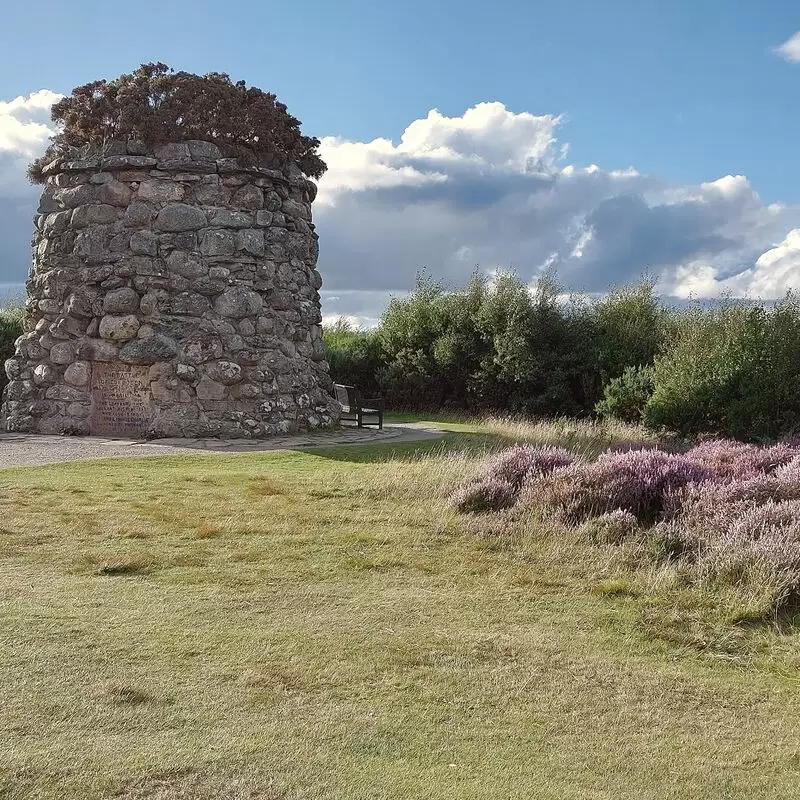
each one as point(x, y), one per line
point(586, 438)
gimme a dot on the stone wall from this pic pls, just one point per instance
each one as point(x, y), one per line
point(173, 293)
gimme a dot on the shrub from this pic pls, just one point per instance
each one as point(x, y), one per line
point(637, 481)
point(732, 371)
point(501, 346)
point(535, 349)
point(354, 357)
point(518, 465)
point(156, 105)
point(409, 331)
point(629, 328)
point(625, 397)
point(488, 494)
point(493, 346)
point(11, 328)
point(737, 460)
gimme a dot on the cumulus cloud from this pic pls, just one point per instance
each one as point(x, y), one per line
point(431, 151)
point(24, 123)
point(492, 188)
point(790, 49)
point(774, 273)
point(25, 128)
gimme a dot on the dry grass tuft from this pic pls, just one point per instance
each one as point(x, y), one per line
point(275, 677)
point(264, 487)
point(120, 694)
point(204, 530)
point(126, 565)
point(617, 587)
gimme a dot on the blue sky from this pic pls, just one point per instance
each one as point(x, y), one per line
point(684, 92)
point(686, 89)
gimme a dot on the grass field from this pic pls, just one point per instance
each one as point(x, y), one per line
point(321, 625)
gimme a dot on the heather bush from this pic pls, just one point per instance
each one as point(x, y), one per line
point(790, 471)
point(737, 460)
point(741, 529)
point(761, 545)
point(503, 476)
point(487, 494)
point(521, 464)
point(723, 513)
point(634, 481)
point(628, 446)
point(716, 504)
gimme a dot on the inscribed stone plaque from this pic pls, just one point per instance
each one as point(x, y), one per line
point(120, 400)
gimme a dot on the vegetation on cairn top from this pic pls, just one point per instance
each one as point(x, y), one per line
point(156, 105)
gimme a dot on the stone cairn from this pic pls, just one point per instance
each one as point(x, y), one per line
point(173, 293)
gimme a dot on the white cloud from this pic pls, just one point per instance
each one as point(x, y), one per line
point(492, 188)
point(25, 128)
point(486, 135)
point(365, 165)
point(435, 150)
point(775, 272)
point(790, 49)
point(25, 123)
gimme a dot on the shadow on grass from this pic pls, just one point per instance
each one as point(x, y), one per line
point(785, 618)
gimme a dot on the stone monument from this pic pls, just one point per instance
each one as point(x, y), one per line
point(173, 293)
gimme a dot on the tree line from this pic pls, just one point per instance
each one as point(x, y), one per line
point(497, 345)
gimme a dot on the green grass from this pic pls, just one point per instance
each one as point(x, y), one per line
point(321, 625)
point(452, 423)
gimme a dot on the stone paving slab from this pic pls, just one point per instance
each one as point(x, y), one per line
point(22, 449)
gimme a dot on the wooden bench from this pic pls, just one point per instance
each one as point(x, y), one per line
point(355, 407)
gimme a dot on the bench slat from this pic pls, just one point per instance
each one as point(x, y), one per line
point(349, 398)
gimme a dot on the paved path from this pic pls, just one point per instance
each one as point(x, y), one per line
point(20, 449)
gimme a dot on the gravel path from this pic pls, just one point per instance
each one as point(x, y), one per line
point(20, 449)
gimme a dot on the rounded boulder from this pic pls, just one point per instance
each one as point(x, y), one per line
point(119, 328)
point(121, 301)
